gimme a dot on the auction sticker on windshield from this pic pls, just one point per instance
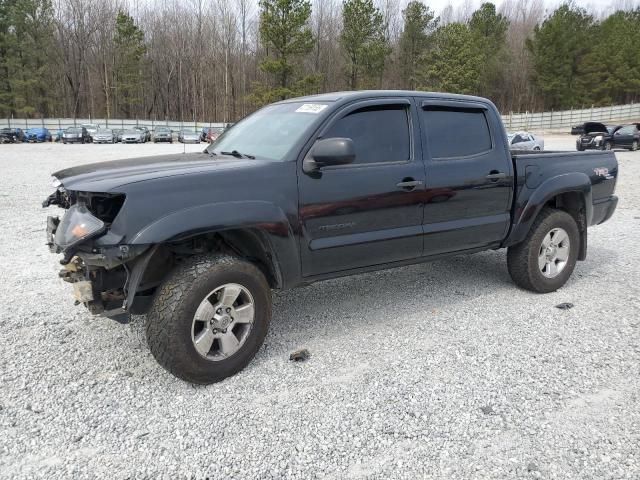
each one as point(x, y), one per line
point(311, 108)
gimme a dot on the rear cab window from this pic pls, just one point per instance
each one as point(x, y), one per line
point(456, 132)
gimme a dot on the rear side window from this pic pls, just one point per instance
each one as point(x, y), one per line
point(452, 133)
point(379, 134)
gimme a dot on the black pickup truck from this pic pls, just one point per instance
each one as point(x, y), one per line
point(309, 189)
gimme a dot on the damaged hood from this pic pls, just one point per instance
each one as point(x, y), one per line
point(106, 176)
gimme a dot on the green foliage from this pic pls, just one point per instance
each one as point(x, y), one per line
point(557, 49)
point(489, 30)
point(610, 72)
point(26, 37)
point(419, 24)
point(130, 50)
point(284, 30)
point(454, 63)
point(364, 41)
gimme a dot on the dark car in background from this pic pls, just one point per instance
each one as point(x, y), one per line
point(12, 135)
point(76, 135)
point(91, 129)
point(598, 136)
point(37, 135)
point(162, 134)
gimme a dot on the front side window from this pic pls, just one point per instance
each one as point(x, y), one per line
point(456, 132)
point(380, 134)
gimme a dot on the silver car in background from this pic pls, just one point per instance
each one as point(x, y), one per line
point(525, 141)
point(133, 136)
point(189, 136)
point(103, 136)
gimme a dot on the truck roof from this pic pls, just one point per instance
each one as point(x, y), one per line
point(359, 94)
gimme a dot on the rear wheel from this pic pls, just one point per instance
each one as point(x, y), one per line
point(545, 260)
point(634, 146)
point(209, 318)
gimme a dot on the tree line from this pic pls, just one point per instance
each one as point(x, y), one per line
point(217, 60)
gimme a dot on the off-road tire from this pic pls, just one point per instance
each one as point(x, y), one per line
point(169, 321)
point(522, 259)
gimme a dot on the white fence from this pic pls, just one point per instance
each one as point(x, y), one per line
point(513, 121)
point(62, 123)
point(564, 119)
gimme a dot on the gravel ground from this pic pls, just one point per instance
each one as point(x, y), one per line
point(442, 370)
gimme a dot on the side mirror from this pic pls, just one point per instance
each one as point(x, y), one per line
point(329, 152)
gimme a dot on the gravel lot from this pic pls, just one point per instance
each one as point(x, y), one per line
point(442, 370)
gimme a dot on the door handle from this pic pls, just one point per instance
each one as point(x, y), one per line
point(494, 175)
point(408, 184)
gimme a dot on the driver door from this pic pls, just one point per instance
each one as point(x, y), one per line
point(368, 212)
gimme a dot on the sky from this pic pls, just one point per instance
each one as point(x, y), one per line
point(590, 5)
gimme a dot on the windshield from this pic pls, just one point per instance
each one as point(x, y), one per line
point(162, 129)
point(105, 132)
point(74, 130)
point(269, 133)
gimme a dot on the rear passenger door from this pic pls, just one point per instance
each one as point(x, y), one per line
point(469, 177)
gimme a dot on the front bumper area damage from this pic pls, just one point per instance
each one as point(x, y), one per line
point(98, 271)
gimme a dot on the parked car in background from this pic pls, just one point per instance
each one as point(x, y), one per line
point(577, 129)
point(6, 137)
point(13, 134)
point(162, 134)
point(91, 129)
point(188, 136)
point(525, 141)
point(598, 136)
point(146, 133)
point(627, 136)
point(57, 136)
point(104, 136)
point(38, 135)
point(133, 136)
point(76, 135)
point(213, 133)
point(117, 134)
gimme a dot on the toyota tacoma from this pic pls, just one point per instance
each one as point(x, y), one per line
point(309, 189)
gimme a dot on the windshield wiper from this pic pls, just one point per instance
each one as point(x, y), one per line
point(237, 154)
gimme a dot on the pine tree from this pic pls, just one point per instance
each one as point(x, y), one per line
point(364, 41)
point(489, 29)
point(284, 30)
point(26, 36)
point(557, 48)
point(419, 24)
point(454, 63)
point(129, 64)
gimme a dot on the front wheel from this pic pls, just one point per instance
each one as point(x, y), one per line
point(545, 260)
point(209, 318)
point(634, 146)
point(607, 146)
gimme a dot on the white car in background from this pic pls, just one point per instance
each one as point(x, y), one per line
point(525, 141)
point(189, 136)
